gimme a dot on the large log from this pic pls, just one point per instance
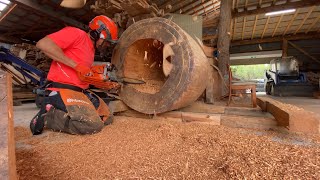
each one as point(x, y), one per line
point(140, 54)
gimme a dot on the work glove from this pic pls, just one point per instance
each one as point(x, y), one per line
point(82, 70)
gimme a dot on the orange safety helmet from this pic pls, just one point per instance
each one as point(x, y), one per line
point(103, 27)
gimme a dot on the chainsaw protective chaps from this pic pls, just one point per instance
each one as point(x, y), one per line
point(81, 117)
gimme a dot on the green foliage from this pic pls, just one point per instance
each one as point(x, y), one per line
point(247, 72)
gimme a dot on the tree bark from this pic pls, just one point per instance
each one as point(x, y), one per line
point(224, 40)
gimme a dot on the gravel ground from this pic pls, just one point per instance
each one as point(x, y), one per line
point(134, 148)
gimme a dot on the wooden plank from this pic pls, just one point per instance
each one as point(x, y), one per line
point(3, 16)
point(7, 143)
point(288, 5)
point(243, 27)
point(234, 29)
point(265, 27)
point(254, 27)
point(291, 117)
point(314, 23)
point(304, 52)
point(290, 23)
point(58, 15)
point(304, 19)
point(276, 28)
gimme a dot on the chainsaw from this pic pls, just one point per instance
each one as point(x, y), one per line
point(104, 77)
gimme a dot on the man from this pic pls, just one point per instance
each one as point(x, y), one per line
point(69, 107)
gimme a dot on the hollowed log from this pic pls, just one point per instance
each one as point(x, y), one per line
point(139, 55)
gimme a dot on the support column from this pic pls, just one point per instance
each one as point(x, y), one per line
point(7, 145)
point(284, 48)
point(224, 31)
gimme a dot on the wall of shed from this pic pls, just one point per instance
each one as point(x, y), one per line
point(306, 63)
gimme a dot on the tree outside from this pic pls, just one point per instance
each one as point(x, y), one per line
point(249, 72)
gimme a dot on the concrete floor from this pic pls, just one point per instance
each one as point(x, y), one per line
point(22, 115)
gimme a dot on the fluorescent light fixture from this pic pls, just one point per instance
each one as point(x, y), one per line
point(280, 12)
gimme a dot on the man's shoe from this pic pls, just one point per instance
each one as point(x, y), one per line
point(37, 124)
point(109, 120)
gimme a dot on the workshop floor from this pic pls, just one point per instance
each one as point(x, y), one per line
point(133, 148)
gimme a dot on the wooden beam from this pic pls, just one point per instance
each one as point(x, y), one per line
point(164, 4)
point(290, 23)
point(265, 27)
point(276, 39)
point(254, 27)
point(7, 145)
point(243, 27)
point(224, 39)
point(275, 29)
point(304, 52)
point(304, 19)
point(177, 10)
point(194, 7)
point(288, 5)
point(8, 12)
point(62, 17)
point(34, 31)
point(209, 37)
point(288, 118)
point(231, 28)
point(314, 23)
point(203, 8)
point(10, 39)
point(234, 28)
point(284, 48)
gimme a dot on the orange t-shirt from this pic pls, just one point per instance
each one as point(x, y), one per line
point(77, 45)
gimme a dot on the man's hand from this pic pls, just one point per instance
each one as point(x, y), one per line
point(82, 70)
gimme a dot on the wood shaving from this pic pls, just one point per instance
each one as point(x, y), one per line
point(134, 148)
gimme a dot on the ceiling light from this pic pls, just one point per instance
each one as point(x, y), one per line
point(280, 12)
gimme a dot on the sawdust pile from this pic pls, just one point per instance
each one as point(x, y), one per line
point(154, 149)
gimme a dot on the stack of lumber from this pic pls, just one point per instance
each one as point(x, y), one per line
point(132, 8)
point(32, 55)
point(313, 78)
point(135, 8)
point(107, 7)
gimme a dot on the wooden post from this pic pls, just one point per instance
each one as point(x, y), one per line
point(7, 143)
point(284, 48)
point(224, 40)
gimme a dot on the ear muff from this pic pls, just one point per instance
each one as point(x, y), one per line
point(95, 35)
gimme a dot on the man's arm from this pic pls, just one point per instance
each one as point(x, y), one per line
point(52, 50)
